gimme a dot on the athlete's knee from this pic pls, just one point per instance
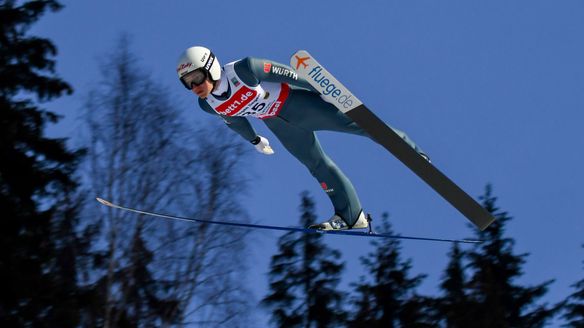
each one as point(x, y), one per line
point(322, 164)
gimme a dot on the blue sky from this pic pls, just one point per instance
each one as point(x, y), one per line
point(493, 92)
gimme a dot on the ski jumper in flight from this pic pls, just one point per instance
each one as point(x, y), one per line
point(290, 108)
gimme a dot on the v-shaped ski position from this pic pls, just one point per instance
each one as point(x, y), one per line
point(294, 229)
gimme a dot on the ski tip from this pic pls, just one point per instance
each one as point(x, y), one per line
point(301, 51)
point(103, 201)
point(299, 59)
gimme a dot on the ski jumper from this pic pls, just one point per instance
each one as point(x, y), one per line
point(293, 111)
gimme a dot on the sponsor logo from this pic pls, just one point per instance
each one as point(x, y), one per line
point(329, 88)
point(284, 72)
point(279, 102)
point(267, 67)
point(235, 81)
point(204, 58)
point(183, 66)
point(301, 61)
point(237, 102)
point(326, 188)
point(273, 110)
point(209, 63)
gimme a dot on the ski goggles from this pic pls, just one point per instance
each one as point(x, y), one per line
point(194, 78)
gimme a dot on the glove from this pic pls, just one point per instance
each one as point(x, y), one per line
point(262, 145)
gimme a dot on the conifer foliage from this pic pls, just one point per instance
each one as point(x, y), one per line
point(492, 296)
point(452, 306)
point(574, 307)
point(387, 298)
point(303, 279)
point(38, 244)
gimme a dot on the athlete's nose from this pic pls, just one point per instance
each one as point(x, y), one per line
point(199, 89)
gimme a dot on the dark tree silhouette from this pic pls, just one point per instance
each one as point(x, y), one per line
point(39, 247)
point(495, 298)
point(388, 297)
point(452, 305)
point(303, 279)
point(574, 306)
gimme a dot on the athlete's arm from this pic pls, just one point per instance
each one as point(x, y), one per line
point(239, 124)
point(255, 70)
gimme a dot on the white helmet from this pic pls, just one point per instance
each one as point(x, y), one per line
point(198, 58)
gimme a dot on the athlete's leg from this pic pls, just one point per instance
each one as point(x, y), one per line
point(311, 111)
point(304, 145)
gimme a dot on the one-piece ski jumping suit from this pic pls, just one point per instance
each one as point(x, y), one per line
point(293, 111)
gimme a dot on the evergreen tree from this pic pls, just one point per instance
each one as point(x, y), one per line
point(496, 300)
point(574, 307)
point(38, 244)
point(452, 306)
point(388, 297)
point(143, 305)
point(303, 279)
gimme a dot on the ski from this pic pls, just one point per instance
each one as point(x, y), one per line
point(280, 228)
point(337, 94)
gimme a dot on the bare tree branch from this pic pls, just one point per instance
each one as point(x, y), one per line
point(141, 153)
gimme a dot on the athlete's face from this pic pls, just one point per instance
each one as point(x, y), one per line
point(203, 90)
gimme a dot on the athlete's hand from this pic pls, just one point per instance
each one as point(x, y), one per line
point(262, 145)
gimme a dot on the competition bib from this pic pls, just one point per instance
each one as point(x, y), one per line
point(262, 101)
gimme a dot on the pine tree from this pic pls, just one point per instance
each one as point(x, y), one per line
point(452, 306)
point(143, 305)
point(388, 297)
point(304, 276)
point(496, 300)
point(39, 247)
point(574, 307)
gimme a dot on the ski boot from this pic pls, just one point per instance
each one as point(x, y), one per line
point(338, 223)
